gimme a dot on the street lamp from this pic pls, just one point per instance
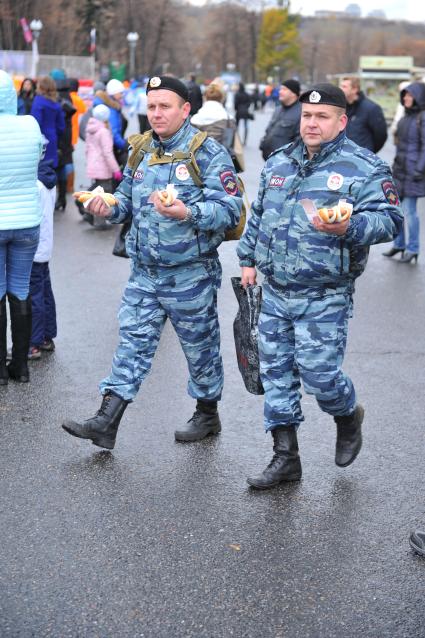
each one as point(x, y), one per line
point(132, 38)
point(277, 71)
point(35, 26)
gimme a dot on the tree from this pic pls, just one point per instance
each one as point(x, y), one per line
point(278, 45)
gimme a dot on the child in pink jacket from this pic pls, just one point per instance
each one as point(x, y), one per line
point(101, 164)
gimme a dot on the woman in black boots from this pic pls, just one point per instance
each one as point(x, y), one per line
point(21, 146)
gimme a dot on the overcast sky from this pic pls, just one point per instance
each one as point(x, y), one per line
point(413, 10)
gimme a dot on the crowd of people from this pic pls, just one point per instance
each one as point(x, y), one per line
point(320, 151)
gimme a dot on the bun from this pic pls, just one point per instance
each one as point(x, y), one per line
point(168, 196)
point(84, 196)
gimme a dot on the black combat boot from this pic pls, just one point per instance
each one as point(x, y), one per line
point(4, 376)
point(285, 464)
point(348, 436)
point(102, 428)
point(20, 323)
point(204, 422)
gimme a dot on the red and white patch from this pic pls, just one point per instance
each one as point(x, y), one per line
point(276, 181)
point(390, 193)
point(139, 175)
point(182, 172)
point(229, 182)
point(335, 181)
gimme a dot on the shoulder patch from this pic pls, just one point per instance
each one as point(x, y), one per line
point(229, 182)
point(390, 192)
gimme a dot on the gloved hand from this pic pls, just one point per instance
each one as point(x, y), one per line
point(117, 175)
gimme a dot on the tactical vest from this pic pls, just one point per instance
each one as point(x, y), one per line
point(141, 144)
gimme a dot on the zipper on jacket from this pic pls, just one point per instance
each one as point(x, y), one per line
point(199, 243)
point(341, 256)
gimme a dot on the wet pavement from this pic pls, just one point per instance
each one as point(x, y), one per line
point(160, 539)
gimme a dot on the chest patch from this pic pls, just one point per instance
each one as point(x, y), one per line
point(182, 172)
point(139, 175)
point(229, 182)
point(390, 193)
point(335, 181)
point(276, 181)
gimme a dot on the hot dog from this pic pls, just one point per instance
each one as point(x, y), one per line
point(83, 196)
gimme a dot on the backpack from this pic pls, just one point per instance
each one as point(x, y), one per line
point(141, 144)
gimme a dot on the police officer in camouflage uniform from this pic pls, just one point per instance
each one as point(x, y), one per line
point(309, 270)
point(175, 270)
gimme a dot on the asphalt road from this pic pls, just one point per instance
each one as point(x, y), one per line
point(165, 540)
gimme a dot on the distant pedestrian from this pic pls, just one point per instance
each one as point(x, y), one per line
point(242, 104)
point(49, 115)
point(101, 165)
point(284, 126)
point(112, 97)
point(213, 118)
point(366, 121)
point(65, 167)
point(26, 96)
point(195, 95)
point(43, 304)
point(80, 108)
point(409, 169)
point(21, 146)
point(141, 108)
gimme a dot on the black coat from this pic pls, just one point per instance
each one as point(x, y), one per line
point(242, 104)
point(366, 124)
point(284, 128)
point(409, 161)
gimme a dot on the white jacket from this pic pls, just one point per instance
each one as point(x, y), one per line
point(45, 243)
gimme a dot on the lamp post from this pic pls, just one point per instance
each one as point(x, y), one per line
point(35, 26)
point(132, 38)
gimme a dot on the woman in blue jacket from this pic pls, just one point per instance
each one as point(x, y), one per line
point(49, 115)
point(21, 146)
point(409, 168)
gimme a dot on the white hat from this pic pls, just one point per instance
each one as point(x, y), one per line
point(115, 86)
point(101, 112)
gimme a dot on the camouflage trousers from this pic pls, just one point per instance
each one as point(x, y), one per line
point(303, 338)
point(187, 296)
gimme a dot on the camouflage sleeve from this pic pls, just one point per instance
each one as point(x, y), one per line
point(222, 202)
point(377, 216)
point(123, 211)
point(246, 245)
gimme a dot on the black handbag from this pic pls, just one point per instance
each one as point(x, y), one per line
point(119, 246)
point(245, 331)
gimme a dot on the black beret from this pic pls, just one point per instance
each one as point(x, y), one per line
point(169, 84)
point(324, 94)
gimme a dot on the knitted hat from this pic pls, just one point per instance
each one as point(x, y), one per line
point(325, 94)
point(169, 84)
point(292, 85)
point(101, 112)
point(115, 86)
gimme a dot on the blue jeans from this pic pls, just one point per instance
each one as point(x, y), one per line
point(409, 207)
point(17, 250)
point(43, 305)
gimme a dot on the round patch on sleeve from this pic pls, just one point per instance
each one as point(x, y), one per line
point(230, 183)
point(390, 192)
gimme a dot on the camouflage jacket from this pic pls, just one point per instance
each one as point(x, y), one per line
point(280, 239)
point(157, 240)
